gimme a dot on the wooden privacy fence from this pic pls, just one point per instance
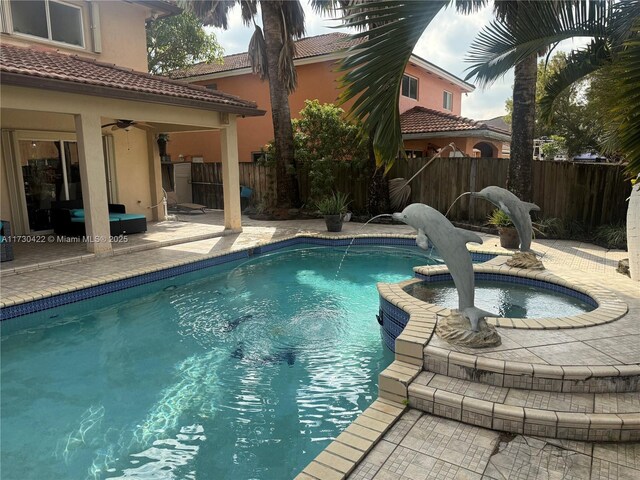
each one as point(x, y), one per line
point(206, 180)
point(593, 194)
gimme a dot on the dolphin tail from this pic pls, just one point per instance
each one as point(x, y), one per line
point(474, 314)
point(468, 237)
point(531, 207)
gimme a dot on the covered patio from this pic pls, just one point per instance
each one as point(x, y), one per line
point(77, 106)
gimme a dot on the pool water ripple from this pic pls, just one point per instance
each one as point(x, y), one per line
point(243, 371)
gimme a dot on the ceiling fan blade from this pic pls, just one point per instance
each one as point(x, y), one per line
point(108, 125)
point(115, 127)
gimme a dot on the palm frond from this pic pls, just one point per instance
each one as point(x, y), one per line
point(211, 12)
point(579, 64)
point(624, 16)
point(293, 18)
point(286, 68)
point(625, 112)
point(258, 54)
point(467, 7)
point(248, 9)
point(375, 67)
point(535, 27)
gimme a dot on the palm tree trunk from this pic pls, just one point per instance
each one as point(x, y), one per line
point(520, 177)
point(287, 193)
point(378, 194)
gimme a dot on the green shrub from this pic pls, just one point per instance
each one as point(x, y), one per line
point(336, 204)
point(499, 219)
point(611, 236)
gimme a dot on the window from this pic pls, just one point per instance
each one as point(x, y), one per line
point(258, 156)
point(409, 87)
point(413, 153)
point(447, 100)
point(48, 19)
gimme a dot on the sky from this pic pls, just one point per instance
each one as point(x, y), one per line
point(444, 43)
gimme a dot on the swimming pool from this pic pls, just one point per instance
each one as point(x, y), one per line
point(246, 370)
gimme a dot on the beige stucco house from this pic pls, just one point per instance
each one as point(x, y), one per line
point(80, 116)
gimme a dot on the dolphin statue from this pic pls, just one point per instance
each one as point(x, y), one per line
point(517, 210)
point(451, 243)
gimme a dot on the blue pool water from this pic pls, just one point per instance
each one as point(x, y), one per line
point(504, 299)
point(247, 370)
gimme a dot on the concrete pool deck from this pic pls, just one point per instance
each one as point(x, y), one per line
point(388, 441)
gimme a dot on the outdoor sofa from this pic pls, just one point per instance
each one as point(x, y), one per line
point(67, 218)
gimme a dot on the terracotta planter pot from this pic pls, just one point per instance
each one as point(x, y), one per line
point(509, 238)
point(333, 222)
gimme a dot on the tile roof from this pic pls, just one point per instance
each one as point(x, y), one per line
point(305, 48)
point(47, 68)
point(426, 120)
point(498, 122)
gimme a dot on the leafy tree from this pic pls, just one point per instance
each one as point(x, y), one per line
point(179, 41)
point(557, 146)
point(573, 117)
point(271, 55)
point(323, 137)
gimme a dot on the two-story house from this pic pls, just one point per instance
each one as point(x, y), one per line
point(430, 103)
point(80, 116)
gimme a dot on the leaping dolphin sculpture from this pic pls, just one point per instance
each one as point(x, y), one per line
point(517, 210)
point(451, 243)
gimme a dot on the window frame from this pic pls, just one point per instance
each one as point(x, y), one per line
point(450, 96)
point(410, 77)
point(49, 38)
point(413, 153)
point(258, 155)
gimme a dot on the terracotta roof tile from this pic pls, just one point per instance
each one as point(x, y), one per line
point(50, 64)
point(426, 120)
point(305, 48)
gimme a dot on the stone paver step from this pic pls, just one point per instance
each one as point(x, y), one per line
point(535, 376)
point(574, 416)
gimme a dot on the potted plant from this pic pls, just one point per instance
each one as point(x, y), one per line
point(333, 209)
point(508, 234)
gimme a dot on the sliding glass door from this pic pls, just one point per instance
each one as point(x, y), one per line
point(50, 173)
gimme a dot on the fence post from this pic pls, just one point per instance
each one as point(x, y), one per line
point(473, 175)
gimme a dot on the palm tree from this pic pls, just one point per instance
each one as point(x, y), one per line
point(271, 56)
point(398, 28)
point(614, 52)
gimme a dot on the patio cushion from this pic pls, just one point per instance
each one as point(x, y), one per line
point(77, 212)
point(128, 216)
point(112, 218)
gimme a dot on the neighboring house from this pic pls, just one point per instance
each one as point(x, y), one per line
point(74, 126)
point(425, 88)
point(500, 123)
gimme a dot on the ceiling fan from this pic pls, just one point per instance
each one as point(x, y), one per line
point(121, 124)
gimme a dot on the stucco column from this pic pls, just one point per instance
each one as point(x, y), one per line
point(94, 182)
point(155, 178)
point(231, 176)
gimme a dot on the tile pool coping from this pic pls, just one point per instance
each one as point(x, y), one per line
point(608, 306)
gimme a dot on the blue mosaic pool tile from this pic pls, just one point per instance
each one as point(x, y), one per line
point(394, 319)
